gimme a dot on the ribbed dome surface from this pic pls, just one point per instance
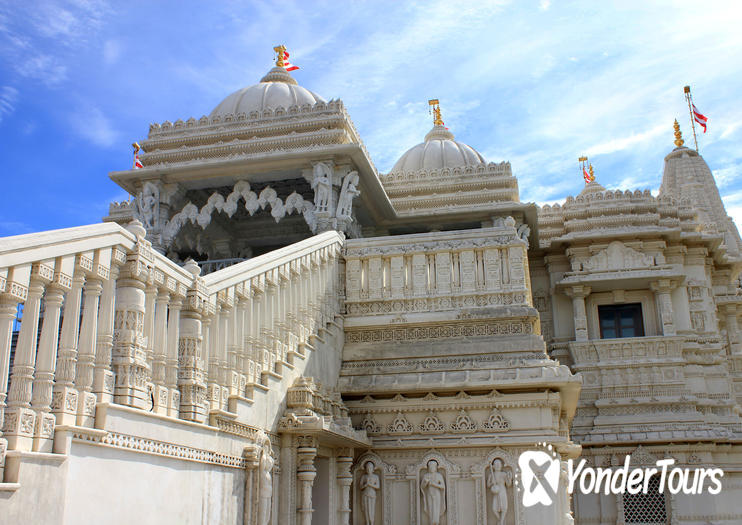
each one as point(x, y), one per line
point(439, 150)
point(276, 89)
point(592, 187)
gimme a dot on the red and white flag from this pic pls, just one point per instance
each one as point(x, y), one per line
point(288, 66)
point(699, 117)
point(137, 163)
point(588, 177)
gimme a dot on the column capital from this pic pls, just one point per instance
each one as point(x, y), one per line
point(577, 290)
point(663, 285)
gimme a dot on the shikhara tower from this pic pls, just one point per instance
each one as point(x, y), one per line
point(279, 334)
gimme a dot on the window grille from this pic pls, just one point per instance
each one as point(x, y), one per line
point(646, 509)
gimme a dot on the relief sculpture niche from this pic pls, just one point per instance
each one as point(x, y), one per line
point(433, 489)
point(266, 483)
point(371, 491)
point(498, 481)
point(369, 485)
point(495, 490)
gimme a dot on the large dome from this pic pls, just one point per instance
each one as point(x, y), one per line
point(439, 150)
point(276, 89)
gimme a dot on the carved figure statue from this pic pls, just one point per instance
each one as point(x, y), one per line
point(266, 483)
point(497, 481)
point(433, 487)
point(322, 185)
point(147, 204)
point(370, 484)
point(347, 194)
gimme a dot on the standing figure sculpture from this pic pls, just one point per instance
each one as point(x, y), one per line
point(266, 483)
point(347, 194)
point(433, 487)
point(498, 480)
point(369, 485)
point(322, 186)
point(147, 205)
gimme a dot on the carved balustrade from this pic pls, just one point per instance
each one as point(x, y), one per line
point(109, 320)
point(269, 309)
point(439, 271)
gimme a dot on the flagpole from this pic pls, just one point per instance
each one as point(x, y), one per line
point(686, 89)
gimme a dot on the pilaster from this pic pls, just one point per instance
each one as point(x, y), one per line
point(578, 295)
point(344, 481)
point(306, 472)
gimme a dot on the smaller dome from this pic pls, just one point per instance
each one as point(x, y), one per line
point(439, 150)
point(276, 89)
point(592, 187)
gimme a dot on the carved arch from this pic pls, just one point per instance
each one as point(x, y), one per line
point(295, 203)
point(479, 473)
point(387, 473)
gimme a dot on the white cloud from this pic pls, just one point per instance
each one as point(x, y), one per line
point(620, 144)
point(544, 5)
point(46, 68)
point(725, 176)
point(91, 124)
point(8, 98)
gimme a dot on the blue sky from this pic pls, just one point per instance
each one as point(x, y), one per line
point(538, 83)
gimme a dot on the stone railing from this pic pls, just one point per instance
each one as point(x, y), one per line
point(267, 309)
point(108, 320)
point(437, 271)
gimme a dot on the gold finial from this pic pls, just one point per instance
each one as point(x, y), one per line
point(436, 109)
point(678, 134)
point(280, 53)
point(136, 147)
point(592, 173)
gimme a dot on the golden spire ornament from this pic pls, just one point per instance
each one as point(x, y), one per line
point(435, 108)
point(280, 54)
point(678, 134)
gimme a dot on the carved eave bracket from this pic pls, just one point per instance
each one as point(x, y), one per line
point(327, 429)
point(314, 410)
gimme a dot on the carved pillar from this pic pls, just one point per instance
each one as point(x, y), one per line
point(306, 472)
point(171, 361)
point(234, 329)
point(253, 335)
point(130, 346)
point(578, 294)
point(344, 480)
point(159, 352)
point(662, 288)
point(730, 312)
point(225, 313)
point(86, 353)
point(129, 350)
point(46, 361)
point(20, 419)
point(8, 310)
point(150, 295)
point(64, 396)
point(191, 383)
point(266, 333)
point(102, 375)
point(214, 390)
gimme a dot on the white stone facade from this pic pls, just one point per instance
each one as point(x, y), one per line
point(365, 348)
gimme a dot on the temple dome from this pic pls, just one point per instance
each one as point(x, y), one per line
point(439, 150)
point(276, 89)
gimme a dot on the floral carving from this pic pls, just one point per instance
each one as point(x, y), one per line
point(463, 423)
